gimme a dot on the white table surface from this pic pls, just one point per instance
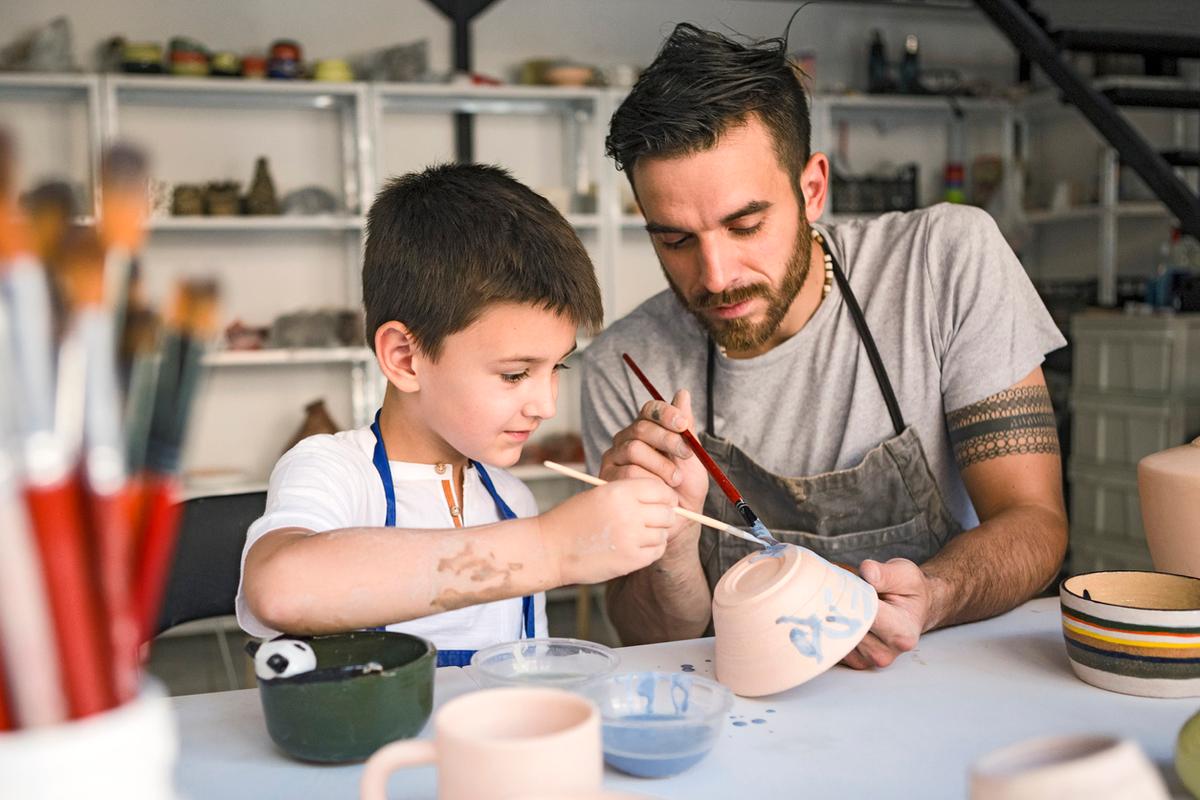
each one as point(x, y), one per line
point(908, 731)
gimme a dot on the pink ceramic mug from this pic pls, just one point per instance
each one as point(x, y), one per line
point(499, 744)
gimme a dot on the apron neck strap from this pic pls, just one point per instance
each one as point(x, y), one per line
point(864, 334)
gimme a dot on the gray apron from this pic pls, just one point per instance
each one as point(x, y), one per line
point(888, 506)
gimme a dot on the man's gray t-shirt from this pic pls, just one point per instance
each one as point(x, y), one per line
point(953, 313)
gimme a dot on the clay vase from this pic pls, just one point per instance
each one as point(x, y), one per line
point(502, 744)
point(1067, 768)
point(1169, 487)
point(783, 616)
point(316, 420)
point(261, 198)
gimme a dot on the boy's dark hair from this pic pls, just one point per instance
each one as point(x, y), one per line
point(702, 83)
point(446, 243)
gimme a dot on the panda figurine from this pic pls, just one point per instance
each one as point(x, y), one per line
point(283, 658)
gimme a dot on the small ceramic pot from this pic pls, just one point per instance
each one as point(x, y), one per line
point(369, 688)
point(1169, 488)
point(783, 616)
point(1067, 768)
point(1134, 632)
point(1187, 755)
point(498, 744)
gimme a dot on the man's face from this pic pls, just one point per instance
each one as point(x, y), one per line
point(492, 384)
point(730, 235)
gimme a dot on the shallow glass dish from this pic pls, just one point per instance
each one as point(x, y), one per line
point(561, 663)
point(659, 723)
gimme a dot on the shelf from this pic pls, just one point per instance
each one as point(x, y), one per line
point(438, 97)
point(232, 92)
point(284, 357)
point(584, 221)
point(1133, 210)
point(536, 472)
point(256, 223)
point(38, 85)
point(923, 104)
point(221, 489)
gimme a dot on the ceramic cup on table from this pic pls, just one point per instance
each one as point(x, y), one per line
point(1134, 632)
point(1169, 489)
point(128, 752)
point(368, 688)
point(1067, 768)
point(502, 744)
point(784, 615)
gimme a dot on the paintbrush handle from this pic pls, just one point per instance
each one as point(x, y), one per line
point(726, 485)
point(159, 532)
point(683, 512)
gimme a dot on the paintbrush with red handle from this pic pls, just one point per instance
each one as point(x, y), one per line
point(190, 327)
point(103, 464)
point(735, 497)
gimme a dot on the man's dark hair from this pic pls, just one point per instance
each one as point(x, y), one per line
point(701, 84)
point(446, 243)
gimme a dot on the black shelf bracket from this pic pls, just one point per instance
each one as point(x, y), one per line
point(461, 13)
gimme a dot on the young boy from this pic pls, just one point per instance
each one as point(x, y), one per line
point(475, 289)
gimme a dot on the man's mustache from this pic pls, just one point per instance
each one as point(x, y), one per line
point(730, 297)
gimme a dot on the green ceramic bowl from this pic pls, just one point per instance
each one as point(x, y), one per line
point(369, 688)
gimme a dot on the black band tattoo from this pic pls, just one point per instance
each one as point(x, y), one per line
point(1012, 422)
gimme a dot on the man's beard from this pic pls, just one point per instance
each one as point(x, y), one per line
point(741, 333)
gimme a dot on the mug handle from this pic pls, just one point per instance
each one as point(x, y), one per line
point(387, 760)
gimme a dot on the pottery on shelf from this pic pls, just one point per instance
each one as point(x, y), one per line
point(1169, 489)
point(497, 744)
point(784, 615)
point(317, 419)
point(187, 200)
point(261, 199)
point(221, 199)
point(1067, 768)
point(1134, 632)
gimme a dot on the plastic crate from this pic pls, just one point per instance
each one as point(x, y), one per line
point(1119, 430)
point(1090, 553)
point(1144, 356)
point(1105, 503)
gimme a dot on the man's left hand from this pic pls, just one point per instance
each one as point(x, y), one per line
point(905, 608)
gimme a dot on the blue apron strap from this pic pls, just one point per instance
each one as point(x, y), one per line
point(380, 460)
point(454, 658)
point(528, 614)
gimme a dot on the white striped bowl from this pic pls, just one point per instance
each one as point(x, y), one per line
point(1134, 632)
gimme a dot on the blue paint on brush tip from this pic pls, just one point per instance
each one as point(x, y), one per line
point(760, 530)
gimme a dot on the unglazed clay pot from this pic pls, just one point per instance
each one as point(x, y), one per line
point(1067, 768)
point(783, 616)
point(1133, 632)
point(502, 744)
point(1169, 486)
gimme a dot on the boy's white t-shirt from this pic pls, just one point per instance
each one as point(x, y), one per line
point(328, 482)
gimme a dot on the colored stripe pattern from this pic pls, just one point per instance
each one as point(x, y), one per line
point(1136, 651)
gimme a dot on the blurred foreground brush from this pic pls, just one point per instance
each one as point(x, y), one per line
point(190, 326)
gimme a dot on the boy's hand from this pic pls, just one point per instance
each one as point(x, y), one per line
point(652, 446)
point(610, 530)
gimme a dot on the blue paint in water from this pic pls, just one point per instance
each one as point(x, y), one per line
point(740, 723)
point(687, 668)
point(654, 752)
point(759, 721)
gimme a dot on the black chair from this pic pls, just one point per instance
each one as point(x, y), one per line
point(205, 572)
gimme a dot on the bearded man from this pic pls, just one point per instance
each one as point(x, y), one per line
point(873, 389)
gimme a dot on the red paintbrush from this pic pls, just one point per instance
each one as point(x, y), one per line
point(735, 497)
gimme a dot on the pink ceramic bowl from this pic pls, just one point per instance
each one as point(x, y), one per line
point(785, 615)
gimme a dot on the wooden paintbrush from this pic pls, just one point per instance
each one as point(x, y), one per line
point(124, 207)
point(683, 512)
point(726, 485)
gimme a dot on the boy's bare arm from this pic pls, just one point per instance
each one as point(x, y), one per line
point(308, 583)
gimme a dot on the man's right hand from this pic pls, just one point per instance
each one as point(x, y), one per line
point(651, 446)
point(609, 531)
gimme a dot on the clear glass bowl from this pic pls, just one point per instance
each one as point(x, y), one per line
point(659, 723)
point(561, 663)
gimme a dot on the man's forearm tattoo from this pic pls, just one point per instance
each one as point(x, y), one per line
point(1012, 422)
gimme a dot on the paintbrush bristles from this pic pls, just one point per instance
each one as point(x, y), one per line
point(125, 199)
point(81, 279)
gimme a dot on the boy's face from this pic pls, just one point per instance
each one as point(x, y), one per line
point(494, 382)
